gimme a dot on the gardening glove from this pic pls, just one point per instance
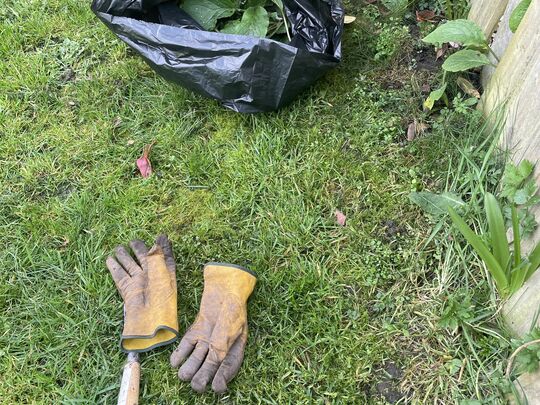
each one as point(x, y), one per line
point(148, 287)
point(217, 338)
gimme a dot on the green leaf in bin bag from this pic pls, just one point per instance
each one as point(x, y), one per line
point(254, 22)
point(207, 12)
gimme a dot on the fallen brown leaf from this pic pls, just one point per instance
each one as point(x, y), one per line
point(143, 163)
point(467, 87)
point(425, 15)
point(65, 243)
point(441, 51)
point(421, 127)
point(341, 218)
point(411, 131)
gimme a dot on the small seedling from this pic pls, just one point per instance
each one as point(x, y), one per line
point(475, 46)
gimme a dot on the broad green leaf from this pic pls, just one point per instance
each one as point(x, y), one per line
point(436, 204)
point(534, 260)
point(464, 60)
point(480, 247)
point(514, 176)
point(254, 23)
point(434, 96)
point(497, 230)
point(464, 32)
point(207, 12)
point(518, 14)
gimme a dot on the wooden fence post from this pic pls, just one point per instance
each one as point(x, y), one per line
point(515, 84)
point(487, 13)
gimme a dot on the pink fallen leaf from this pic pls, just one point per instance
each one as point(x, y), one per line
point(143, 163)
point(341, 218)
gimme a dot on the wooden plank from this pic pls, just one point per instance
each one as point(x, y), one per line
point(516, 70)
point(515, 84)
point(487, 13)
point(500, 41)
point(521, 309)
point(528, 387)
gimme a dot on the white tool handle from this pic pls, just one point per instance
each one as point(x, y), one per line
point(129, 388)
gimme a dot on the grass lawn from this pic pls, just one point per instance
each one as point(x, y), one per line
point(340, 314)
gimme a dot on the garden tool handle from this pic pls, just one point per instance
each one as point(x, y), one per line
point(129, 388)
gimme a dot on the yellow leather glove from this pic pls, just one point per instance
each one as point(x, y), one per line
point(217, 338)
point(148, 287)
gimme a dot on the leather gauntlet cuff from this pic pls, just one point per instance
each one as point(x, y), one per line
point(146, 330)
point(159, 332)
point(230, 278)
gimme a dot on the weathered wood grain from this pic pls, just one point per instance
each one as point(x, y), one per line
point(500, 41)
point(487, 13)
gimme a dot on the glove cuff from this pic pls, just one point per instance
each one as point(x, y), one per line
point(228, 277)
point(232, 266)
point(162, 335)
point(146, 330)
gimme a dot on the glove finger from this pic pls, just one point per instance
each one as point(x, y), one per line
point(186, 346)
point(207, 371)
point(225, 333)
point(127, 262)
point(230, 365)
point(193, 363)
point(140, 250)
point(166, 246)
point(117, 272)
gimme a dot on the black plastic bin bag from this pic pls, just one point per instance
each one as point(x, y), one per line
point(246, 74)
